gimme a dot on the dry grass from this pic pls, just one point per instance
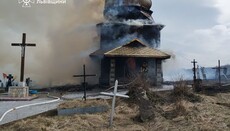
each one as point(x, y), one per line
point(180, 88)
point(181, 91)
point(80, 103)
point(182, 113)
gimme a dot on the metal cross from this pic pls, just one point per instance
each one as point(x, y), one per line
point(23, 46)
point(84, 76)
point(114, 94)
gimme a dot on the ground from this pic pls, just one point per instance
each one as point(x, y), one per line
point(211, 112)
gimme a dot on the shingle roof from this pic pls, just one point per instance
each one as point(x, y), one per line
point(98, 52)
point(136, 48)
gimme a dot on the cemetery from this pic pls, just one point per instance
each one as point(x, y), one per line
point(113, 80)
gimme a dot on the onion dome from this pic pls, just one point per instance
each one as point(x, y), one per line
point(145, 3)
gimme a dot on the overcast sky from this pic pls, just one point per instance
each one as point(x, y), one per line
point(194, 29)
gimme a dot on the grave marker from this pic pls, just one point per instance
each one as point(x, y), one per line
point(23, 46)
point(114, 94)
point(84, 76)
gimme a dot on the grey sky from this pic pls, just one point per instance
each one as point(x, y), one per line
point(195, 29)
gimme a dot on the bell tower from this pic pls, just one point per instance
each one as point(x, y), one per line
point(125, 20)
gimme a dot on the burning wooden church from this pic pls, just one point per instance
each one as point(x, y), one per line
point(129, 42)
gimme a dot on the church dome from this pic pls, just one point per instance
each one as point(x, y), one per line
point(146, 3)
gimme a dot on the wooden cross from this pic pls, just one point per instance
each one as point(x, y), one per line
point(194, 71)
point(84, 83)
point(114, 94)
point(23, 46)
point(219, 70)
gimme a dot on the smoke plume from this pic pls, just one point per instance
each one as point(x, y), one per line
point(65, 35)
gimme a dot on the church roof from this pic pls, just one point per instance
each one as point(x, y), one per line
point(136, 48)
point(98, 52)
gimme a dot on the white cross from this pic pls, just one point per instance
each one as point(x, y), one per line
point(114, 94)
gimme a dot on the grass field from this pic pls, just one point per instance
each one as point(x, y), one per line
point(172, 112)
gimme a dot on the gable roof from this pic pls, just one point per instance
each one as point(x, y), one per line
point(136, 48)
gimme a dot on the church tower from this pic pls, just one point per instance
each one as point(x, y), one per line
point(125, 22)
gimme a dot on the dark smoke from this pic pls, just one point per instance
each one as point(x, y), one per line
point(64, 34)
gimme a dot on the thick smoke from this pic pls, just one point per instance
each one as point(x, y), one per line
point(64, 34)
point(127, 20)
